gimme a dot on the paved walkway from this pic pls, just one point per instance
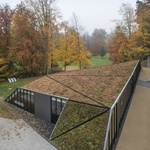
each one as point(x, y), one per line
point(18, 135)
point(136, 131)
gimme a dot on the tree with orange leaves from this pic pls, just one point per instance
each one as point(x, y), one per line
point(118, 46)
point(27, 44)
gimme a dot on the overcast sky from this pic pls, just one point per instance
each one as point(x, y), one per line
point(92, 13)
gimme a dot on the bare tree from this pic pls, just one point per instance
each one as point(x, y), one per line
point(77, 28)
point(128, 18)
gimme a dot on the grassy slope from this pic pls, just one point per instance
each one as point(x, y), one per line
point(89, 135)
point(7, 88)
point(100, 83)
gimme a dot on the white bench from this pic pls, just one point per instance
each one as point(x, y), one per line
point(12, 80)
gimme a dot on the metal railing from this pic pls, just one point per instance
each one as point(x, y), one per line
point(22, 98)
point(119, 108)
point(148, 62)
point(57, 105)
point(48, 108)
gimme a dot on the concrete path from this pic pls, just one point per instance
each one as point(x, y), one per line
point(136, 130)
point(18, 135)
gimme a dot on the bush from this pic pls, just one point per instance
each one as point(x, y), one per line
point(55, 70)
point(88, 55)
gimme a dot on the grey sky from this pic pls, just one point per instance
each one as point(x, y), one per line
point(92, 13)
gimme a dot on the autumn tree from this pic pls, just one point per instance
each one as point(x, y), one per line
point(4, 66)
point(78, 50)
point(68, 51)
point(63, 52)
point(76, 31)
point(47, 16)
point(128, 18)
point(118, 46)
point(142, 36)
point(98, 41)
point(6, 14)
point(27, 46)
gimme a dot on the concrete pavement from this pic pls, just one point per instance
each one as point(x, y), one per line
point(135, 134)
point(18, 135)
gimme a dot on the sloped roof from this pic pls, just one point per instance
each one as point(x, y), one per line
point(101, 84)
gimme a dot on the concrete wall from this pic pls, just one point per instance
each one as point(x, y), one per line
point(42, 106)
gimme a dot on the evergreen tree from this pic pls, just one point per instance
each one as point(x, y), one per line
point(102, 51)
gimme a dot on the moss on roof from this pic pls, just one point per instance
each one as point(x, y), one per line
point(83, 126)
point(102, 84)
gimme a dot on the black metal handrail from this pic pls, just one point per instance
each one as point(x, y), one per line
point(23, 99)
point(26, 100)
point(119, 108)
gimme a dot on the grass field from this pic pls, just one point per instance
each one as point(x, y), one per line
point(99, 61)
point(95, 60)
point(7, 88)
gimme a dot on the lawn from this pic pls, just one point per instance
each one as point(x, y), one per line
point(7, 88)
point(95, 60)
point(99, 61)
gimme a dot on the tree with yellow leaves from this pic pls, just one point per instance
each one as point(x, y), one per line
point(68, 51)
point(64, 51)
point(78, 46)
point(143, 33)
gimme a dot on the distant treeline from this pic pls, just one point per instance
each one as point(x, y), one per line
point(34, 39)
